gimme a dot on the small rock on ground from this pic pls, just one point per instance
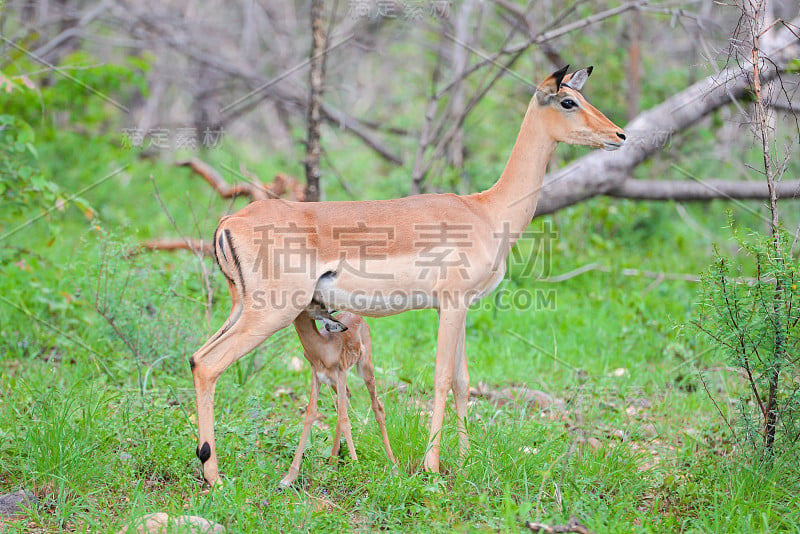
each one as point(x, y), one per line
point(161, 523)
point(12, 503)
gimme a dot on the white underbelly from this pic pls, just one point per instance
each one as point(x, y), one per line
point(380, 298)
point(373, 301)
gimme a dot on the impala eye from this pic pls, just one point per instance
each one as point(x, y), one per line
point(568, 103)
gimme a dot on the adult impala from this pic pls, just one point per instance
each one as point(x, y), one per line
point(378, 258)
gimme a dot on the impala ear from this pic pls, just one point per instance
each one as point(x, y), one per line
point(550, 86)
point(577, 78)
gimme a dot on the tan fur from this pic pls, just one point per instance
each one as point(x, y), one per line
point(330, 356)
point(268, 296)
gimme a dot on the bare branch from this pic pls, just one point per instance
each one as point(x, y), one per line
point(75, 31)
point(701, 190)
point(260, 89)
point(198, 246)
point(225, 190)
point(634, 74)
point(784, 105)
point(283, 186)
point(594, 266)
point(587, 21)
point(426, 135)
point(340, 119)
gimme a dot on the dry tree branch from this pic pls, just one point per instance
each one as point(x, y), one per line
point(286, 186)
point(548, 35)
point(215, 180)
point(701, 190)
point(522, 17)
point(198, 246)
point(74, 31)
point(465, 35)
point(283, 186)
point(457, 121)
point(756, 11)
point(594, 266)
point(716, 405)
point(633, 78)
point(360, 129)
point(426, 137)
point(348, 189)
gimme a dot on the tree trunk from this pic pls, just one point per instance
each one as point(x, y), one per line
point(460, 57)
point(319, 43)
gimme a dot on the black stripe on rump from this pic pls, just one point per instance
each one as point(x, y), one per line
point(236, 263)
point(219, 243)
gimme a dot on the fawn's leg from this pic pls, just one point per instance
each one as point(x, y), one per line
point(311, 415)
point(367, 372)
point(342, 419)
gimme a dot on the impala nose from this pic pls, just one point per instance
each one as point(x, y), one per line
point(621, 135)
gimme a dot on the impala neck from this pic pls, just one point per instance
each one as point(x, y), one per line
point(512, 200)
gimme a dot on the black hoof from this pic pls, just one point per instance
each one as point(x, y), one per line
point(204, 452)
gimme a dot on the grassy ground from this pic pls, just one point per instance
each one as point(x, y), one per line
point(97, 406)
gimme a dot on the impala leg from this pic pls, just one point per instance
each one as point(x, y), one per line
point(242, 335)
point(311, 415)
point(204, 387)
point(236, 312)
point(451, 324)
point(367, 372)
point(461, 394)
point(337, 434)
point(342, 418)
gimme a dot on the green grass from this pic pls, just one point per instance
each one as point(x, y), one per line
point(97, 409)
point(102, 430)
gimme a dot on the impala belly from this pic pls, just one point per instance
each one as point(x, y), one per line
point(373, 298)
point(379, 294)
